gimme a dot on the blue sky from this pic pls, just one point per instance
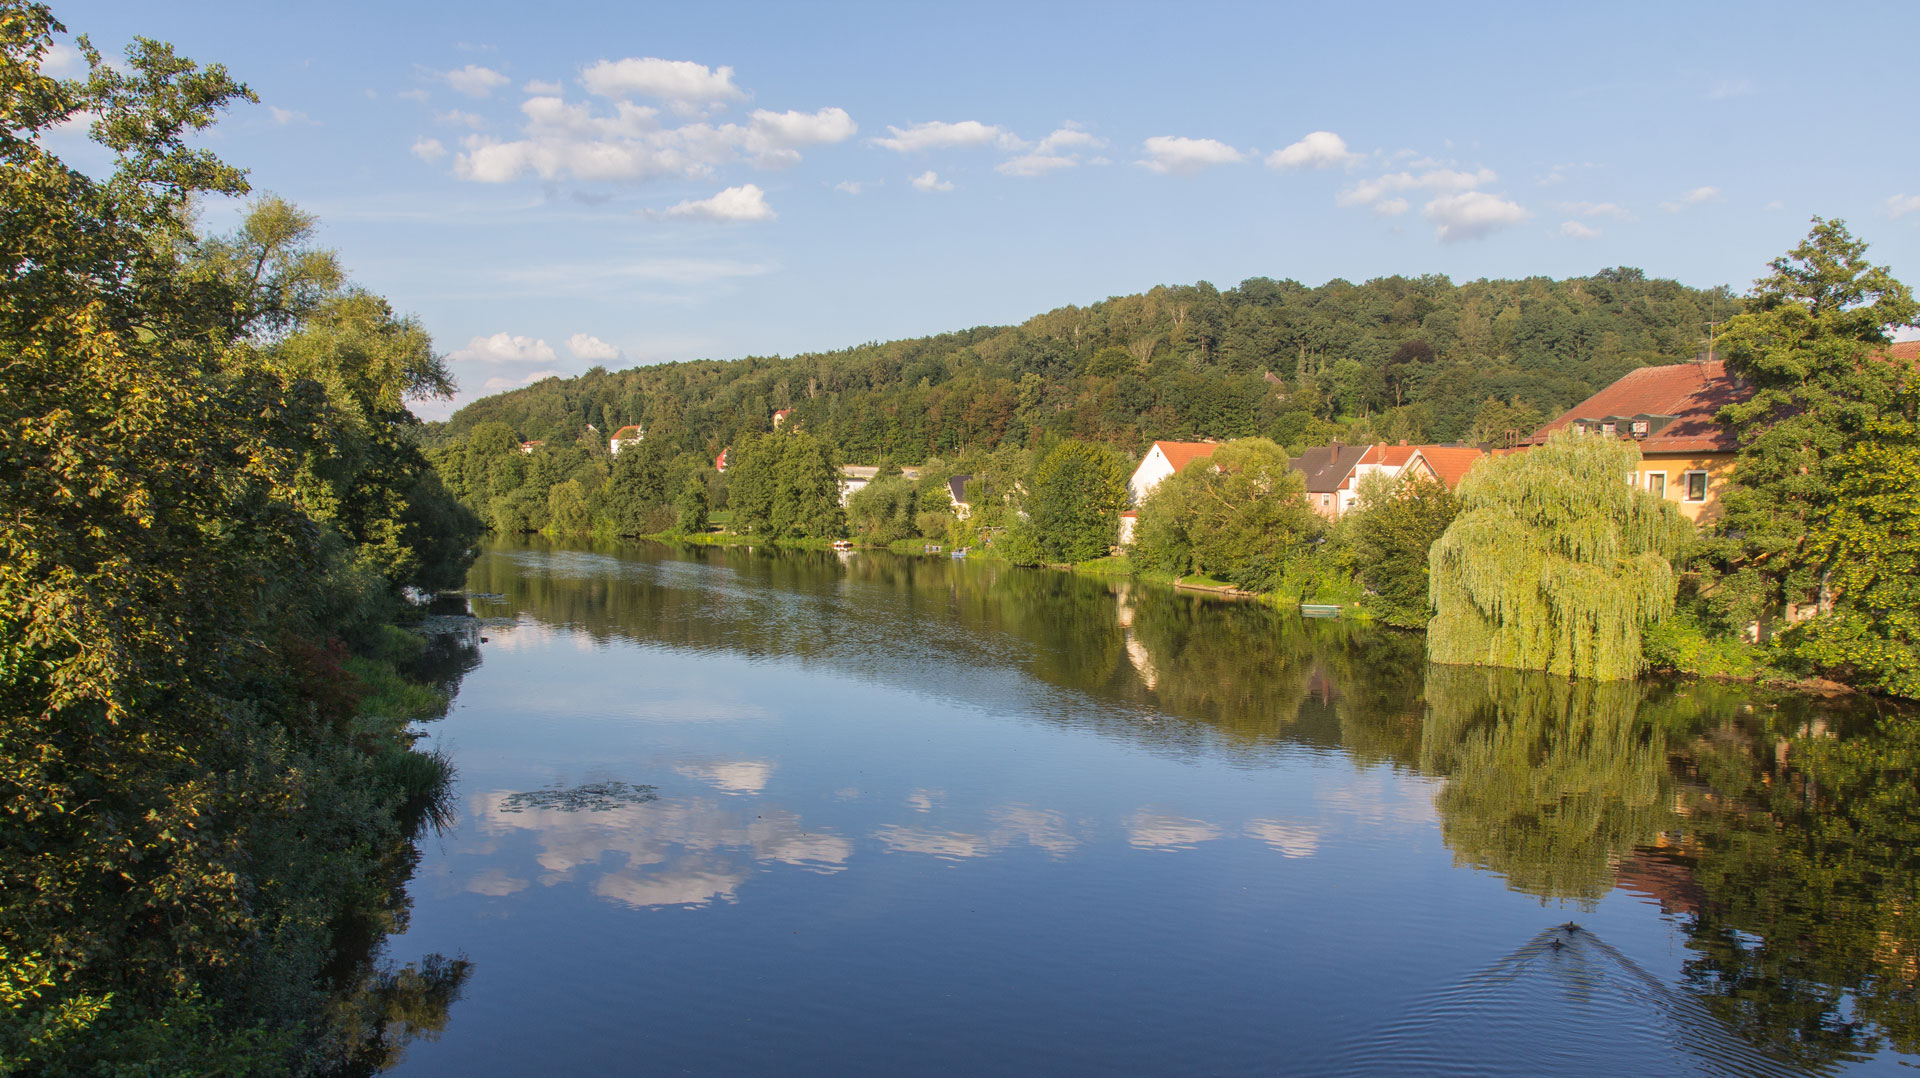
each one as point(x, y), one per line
point(552, 186)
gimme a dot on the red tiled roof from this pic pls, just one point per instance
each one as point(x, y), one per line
point(1180, 454)
point(1903, 352)
point(1451, 462)
point(1391, 456)
point(1690, 392)
point(621, 434)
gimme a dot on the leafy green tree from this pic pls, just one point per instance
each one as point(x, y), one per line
point(1387, 541)
point(807, 490)
point(1811, 346)
point(885, 510)
point(1555, 563)
point(634, 500)
point(1240, 515)
point(1077, 494)
point(567, 512)
point(691, 507)
point(1870, 536)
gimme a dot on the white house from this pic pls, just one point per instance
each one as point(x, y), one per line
point(624, 437)
point(1162, 460)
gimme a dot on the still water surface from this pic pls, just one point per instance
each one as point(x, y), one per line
point(727, 812)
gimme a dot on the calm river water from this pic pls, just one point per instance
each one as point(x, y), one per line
point(727, 812)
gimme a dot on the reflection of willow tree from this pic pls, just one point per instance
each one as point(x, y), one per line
point(396, 1007)
point(1550, 781)
point(1807, 852)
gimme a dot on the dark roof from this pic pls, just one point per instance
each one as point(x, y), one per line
point(1689, 393)
point(1328, 466)
point(957, 486)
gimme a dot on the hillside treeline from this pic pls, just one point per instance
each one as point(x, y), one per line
point(1417, 358)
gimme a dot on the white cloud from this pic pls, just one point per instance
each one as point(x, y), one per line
point(1057, 151)
point(1390, 207)
point(855, 187)
point(474, 80)
point(1578, 231)
point(572, 141)
point(498, 383)
point(541, 86)
point(683, 84)
point(1730, 88)
point(1901, 205)
point(730, 776)
point(1441, 180)
point(1027, 166)
point(1611, 210)
point(1292, 840)
point(1692, 198)
point(930, 181)
point(1317, 150)
point(428, 149)
point(287, 117)
point(62, 60)
point(1180, 156)
point(1471, 215)
point(744, 203)
point(1149, 829)
point(415, 94)
point(456, 118)
point(939, 135)
point(586, 346)
point(506, 348)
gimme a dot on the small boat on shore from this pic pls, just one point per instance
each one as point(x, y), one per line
point(843, 544)
point(959, 552)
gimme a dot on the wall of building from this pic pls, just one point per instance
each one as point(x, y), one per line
point(1675, 466)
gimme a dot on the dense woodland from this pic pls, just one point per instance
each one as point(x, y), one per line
point(1415, 358)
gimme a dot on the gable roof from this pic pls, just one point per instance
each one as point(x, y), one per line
point(1328, 466)
point(621, 434)
point(1451, 462)
point(957, 486)
point(1690, 393)
point(1391, 456)
point(1180, 454)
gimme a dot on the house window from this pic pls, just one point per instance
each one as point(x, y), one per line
point(1606, 428)
point(1696, 486)
point(1657, 484)
point(1326, 499)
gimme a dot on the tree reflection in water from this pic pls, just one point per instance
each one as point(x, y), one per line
point(1780, 833)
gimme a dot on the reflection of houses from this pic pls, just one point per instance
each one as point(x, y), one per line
point(624, 437)
point(1685, 455)
point(855, 477)
point(1162, 460)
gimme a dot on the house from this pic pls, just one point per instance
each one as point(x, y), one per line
point(1450, 463)
point(529, 447)
point(720, 462)
point(1685, 456)
point(625, 436)
point(1162, 460)
point(855, 477)
point(1333, 476)
point(780, 417)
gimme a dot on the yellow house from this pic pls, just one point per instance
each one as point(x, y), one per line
point(1685, 456)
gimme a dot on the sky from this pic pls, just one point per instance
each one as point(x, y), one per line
point(552, 187)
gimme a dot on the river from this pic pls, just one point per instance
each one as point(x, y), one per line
point(724, 811)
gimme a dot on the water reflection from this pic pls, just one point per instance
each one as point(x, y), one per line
point(1778, 835)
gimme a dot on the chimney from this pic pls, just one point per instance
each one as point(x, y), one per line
point(1403, 441)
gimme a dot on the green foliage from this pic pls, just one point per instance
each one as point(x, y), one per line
point(211, 494)
point(1682, 643)
point(885, 510)
point(1240, 515)
point(1075, 499)
point(1391, 358)
point(1555, 562)
point(1386, 541)
point(1869, 538)
point(690, 508)
point(1810, 346)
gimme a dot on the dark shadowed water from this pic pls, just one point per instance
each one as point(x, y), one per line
point(726, 812)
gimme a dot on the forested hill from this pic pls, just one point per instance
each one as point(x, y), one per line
point(1416, 358)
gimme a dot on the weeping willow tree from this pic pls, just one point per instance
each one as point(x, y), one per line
point(1556, 562)
point(1551, 783)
